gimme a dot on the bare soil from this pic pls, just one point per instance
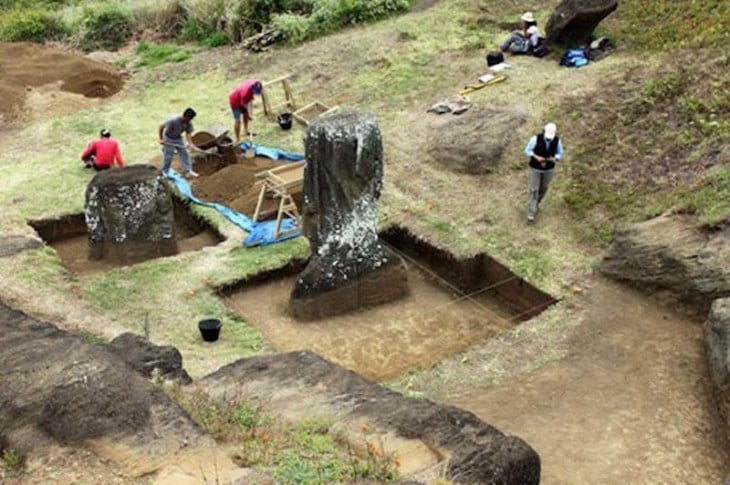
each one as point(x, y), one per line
point(58, 78)
point(629, 403)
point(379, 343)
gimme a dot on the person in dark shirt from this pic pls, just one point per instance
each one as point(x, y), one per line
point(170, 134)
point(544, 151)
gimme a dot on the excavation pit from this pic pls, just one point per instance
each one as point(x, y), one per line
point(453, 304)
point(69, 237)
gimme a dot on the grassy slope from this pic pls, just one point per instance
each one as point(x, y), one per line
point(396, 69)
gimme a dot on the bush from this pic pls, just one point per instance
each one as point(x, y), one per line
point(331, 15)
point(31, 26)
point(107, 27)
point(295, 28)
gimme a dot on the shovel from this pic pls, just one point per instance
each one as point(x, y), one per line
point(250, 151)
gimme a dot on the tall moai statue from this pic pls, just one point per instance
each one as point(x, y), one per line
point(129, 215)
point(349, 268)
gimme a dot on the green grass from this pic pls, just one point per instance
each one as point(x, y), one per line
point(150, 55)
point(306, 452)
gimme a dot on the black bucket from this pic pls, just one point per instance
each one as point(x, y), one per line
point(285, 120)
point(210, 328)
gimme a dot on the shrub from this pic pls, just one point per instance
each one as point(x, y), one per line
point(106, 27)
point(294, 27)
point(32, 26)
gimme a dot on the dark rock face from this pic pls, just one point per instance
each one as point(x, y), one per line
point(144, 357)
point(129, 215)
point(670, 252)
point(475, 142)
point(54, 387)
point(10, 245)
point(349, 267)
point(476, 453)
point(573, 21)
point(717, 334)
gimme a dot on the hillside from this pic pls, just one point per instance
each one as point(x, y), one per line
point(646, 132)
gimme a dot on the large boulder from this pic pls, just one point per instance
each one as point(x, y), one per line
point(671, 252)
point(573, 21)
point(349, 268)
point(129, 215)
point(717, 334)
point(423, 435)
point(475, 142)
point(149, 359)
point(58, 393)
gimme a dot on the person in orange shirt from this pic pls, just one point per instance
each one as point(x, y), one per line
point(103, 153)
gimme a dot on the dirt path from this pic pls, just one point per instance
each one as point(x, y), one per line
point(630, 403)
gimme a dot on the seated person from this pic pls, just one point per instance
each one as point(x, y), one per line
point(525, 40)
point(101, 154)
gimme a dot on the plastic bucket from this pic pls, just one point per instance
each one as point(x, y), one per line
point(285, 120)
point(210, 329)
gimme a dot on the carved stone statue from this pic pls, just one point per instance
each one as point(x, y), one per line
point(349, 267)
point(129, 215)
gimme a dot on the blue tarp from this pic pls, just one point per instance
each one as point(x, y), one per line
point(273, 153)
point(259, 233)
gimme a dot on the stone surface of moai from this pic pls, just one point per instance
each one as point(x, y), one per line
point(350, 267)
point(129, 215)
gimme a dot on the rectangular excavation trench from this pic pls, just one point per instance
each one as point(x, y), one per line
point(453, 304)
point(67, 235)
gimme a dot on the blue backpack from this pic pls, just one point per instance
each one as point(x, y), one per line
point(574, 58)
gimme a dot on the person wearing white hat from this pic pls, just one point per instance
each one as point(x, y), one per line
point(525, 40)
point(544, 151)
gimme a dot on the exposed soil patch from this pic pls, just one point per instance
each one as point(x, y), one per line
point(26, 66)
point(234, 185)
point(94, 83)
point(68, 236)
point(633, 390)
point(435, 320)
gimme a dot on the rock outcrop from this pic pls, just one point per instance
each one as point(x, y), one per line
point(573, 21)
point(475, 142)
point(12, 244)
point(671, 252)
point(717, 334)
point(58, 392)
point(350, 268)
point(422, 434)
point(148, 359)
point(129, 215)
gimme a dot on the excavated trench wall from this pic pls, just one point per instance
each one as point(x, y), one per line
point(62, 229)
point(478, 275)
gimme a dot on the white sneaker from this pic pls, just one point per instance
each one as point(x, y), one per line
point(191, 174)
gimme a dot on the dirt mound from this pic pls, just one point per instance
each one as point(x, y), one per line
point(25, 66)
point(225, 185)
point(235, 185)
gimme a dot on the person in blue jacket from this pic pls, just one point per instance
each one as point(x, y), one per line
point(544, 151)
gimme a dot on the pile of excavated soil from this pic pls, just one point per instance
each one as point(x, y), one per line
point(25, 66)
point(235, 185)
point(225, 185)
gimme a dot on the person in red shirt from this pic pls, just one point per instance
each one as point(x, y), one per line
point(240, 100)
point(102, 153)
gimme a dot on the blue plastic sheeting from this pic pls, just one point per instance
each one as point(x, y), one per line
point(259, 233)
point(273, 153)
point(263, 232)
